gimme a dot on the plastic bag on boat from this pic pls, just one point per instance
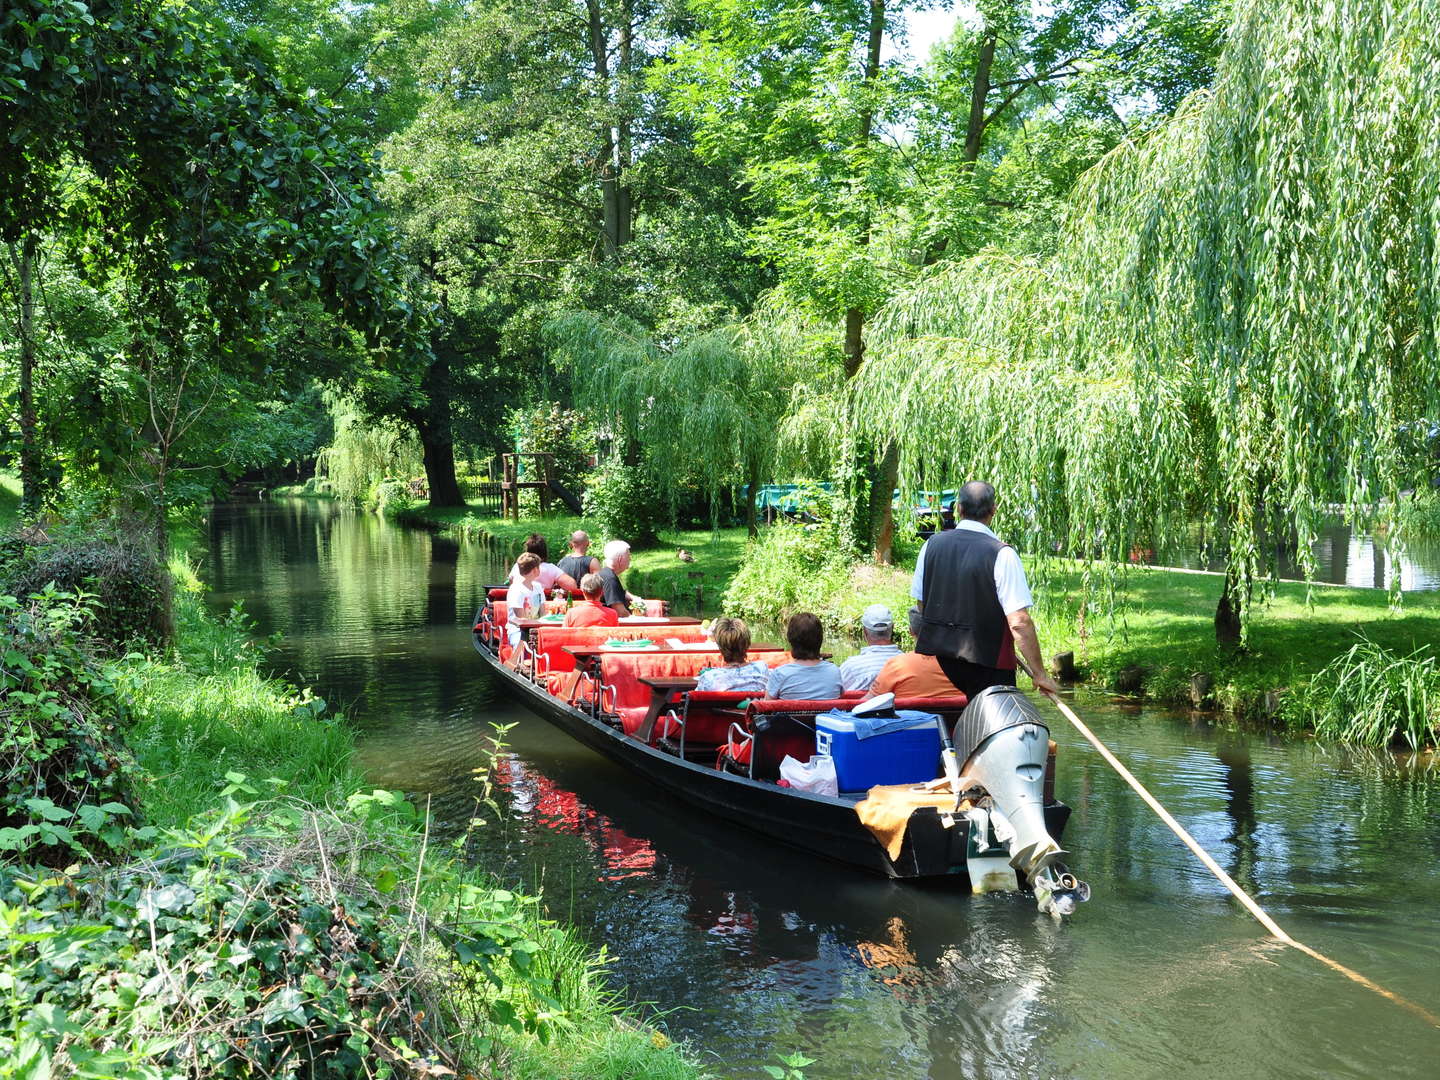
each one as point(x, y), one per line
point(816, 775)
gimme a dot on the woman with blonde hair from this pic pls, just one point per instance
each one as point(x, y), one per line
point(737, 673)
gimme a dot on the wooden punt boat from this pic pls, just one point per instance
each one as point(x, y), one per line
point(582, 689)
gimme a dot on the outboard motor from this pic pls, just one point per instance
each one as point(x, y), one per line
point(1004, 743)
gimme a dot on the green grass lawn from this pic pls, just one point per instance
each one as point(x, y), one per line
point(1159, 630)
point(9, 500)
point(1162, 622)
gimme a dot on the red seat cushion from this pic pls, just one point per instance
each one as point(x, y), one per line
point(551, 640)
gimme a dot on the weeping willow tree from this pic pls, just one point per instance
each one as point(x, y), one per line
point(1239, 324)
point(712, 407)
point(364, 452)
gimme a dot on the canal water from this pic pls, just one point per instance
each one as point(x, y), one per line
point(750, 950)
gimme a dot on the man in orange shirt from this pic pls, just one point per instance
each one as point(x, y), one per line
point(590, 611)
point(912, 675)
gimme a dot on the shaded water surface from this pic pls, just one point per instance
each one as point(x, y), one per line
point(754, 949)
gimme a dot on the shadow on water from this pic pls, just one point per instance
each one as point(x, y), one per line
point(755, 950)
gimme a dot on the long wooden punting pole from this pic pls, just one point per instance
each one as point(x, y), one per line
point(1225, 879)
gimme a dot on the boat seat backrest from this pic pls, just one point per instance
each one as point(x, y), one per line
point(551, 640)
point(623, 671)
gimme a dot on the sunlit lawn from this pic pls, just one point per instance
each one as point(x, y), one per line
point(9, 500)
point(1161, 621)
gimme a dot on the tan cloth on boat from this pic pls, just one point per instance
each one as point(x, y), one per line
point(886, 810)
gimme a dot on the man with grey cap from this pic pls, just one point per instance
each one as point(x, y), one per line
point(860, 670)
point(972, 610)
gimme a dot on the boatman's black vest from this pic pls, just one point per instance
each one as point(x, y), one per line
point(962, 616)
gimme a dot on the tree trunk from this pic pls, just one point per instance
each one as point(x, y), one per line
point(979, 95)
point(609, 182)
point(624, 211)
point(882, 506)
point(29, 435)
point(437, 439)
point(750, 499)
point(1227, 614)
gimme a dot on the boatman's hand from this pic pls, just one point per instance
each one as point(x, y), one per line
point(1044, 683)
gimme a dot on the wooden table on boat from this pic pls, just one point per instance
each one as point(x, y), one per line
point(663, 690)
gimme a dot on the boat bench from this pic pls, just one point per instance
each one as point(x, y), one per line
point(625, 700)
point(774, 728)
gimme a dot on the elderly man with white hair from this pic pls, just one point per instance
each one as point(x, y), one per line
point(617, 561)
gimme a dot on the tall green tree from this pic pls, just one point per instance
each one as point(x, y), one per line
point(162, 159)
point(1238, 325)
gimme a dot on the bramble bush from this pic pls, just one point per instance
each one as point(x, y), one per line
point(66, 778)
point(261, 940)
point(122, 573)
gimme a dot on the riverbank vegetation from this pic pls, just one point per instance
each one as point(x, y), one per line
point(197, 881)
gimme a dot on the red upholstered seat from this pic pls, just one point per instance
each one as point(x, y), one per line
point(550, 641)
point(631, 698)
point(708, 714)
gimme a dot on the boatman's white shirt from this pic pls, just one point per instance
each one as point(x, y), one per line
point(1010, 584)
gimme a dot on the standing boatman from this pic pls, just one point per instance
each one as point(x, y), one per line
point(973, 602)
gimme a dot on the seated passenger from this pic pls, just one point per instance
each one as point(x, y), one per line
point(807, 677)
point(551, 575)
point(590, 611)
point(524, 599)
point(738, 673)
point(579, 562)
point(912, 675)
point(617, 561)
point(860, 670)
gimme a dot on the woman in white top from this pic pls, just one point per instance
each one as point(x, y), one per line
point(550, 574)
point(525, 599)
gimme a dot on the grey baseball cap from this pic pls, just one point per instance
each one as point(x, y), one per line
point(877, 617)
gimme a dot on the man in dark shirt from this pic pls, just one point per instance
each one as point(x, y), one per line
point(579, 562)
point(973, 601)
point(617, 561)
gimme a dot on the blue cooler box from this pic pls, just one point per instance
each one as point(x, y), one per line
point(908, 755)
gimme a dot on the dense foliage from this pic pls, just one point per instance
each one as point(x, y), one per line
point(1216, 334)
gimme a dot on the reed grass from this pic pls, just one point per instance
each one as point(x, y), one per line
point(1375, 697)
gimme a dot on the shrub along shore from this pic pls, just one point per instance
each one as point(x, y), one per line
point(195, 880)
point(1315, 656)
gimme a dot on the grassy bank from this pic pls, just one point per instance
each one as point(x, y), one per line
point(281, 918)
point(656, 570)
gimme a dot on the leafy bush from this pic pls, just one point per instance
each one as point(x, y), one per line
point(66, 779)
point(122, 573)
point(622, 504)
point(792, 567)
point(1373, 696)
point(392, 497)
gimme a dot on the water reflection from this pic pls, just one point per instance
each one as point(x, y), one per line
point(759, 950)
point(1342, 557)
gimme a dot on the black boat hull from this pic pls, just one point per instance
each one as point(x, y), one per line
point(822, 825)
